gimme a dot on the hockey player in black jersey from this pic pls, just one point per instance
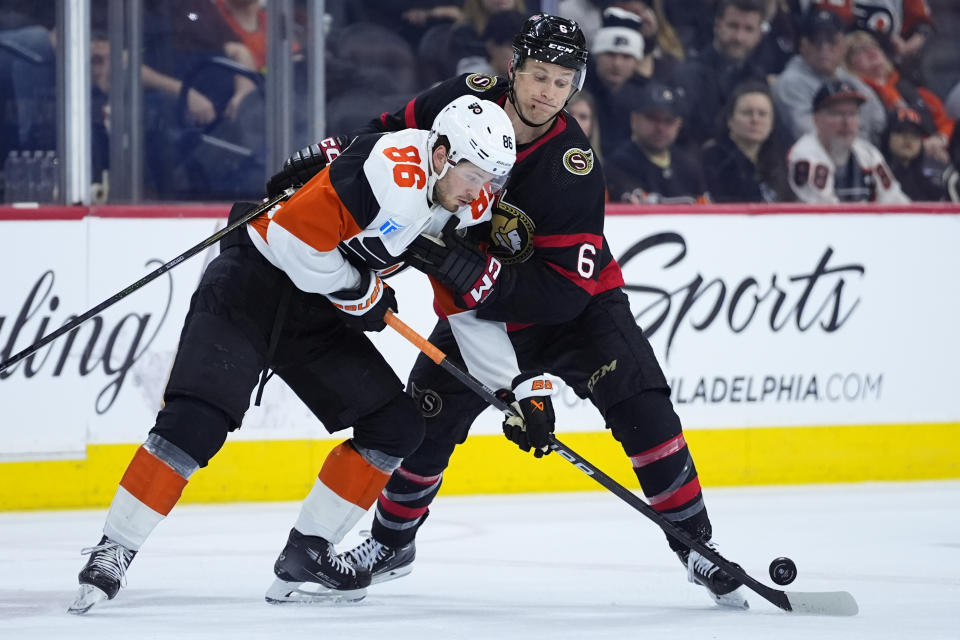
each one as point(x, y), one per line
point(549, 278)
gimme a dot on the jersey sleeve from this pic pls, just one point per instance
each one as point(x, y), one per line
point(486, 349)
point(888, 188)
point(420, 112)
point(368, 203)
point(300, 236)
point(810, 174)
point(569, 261)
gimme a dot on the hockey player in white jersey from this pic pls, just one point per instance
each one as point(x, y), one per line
point(294, 293)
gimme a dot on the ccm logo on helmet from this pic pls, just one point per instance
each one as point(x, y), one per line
point(560, 47)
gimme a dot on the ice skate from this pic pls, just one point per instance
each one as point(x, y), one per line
point(724, 589)
point(383, 562)
point(103, 575)
point(310, 572)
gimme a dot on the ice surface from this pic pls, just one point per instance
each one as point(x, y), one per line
point(581, 565)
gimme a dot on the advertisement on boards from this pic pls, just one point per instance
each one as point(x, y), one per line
point(757, 320)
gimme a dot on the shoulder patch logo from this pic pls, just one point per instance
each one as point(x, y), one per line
point(481, 81)
point(511, 232)
point(578, 161)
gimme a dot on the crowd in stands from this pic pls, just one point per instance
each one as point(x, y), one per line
point(685, 100)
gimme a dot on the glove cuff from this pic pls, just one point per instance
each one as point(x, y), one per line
point(359, 301)
point(527, 385)
point(483, 286)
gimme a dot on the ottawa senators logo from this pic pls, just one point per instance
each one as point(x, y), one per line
point(511, 232)
point(579, 162)
point(481, 81)
point(428, 400)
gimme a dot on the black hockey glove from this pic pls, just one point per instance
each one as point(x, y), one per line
point(306, 163)
point(535, 419)
point(363, 308)
point(470, 273)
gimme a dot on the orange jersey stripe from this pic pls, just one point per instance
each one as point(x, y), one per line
point(347, 474)
point(314, 214)
point(443, 299)
point(151, 481)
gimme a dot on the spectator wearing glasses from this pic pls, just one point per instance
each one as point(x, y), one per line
point(833, 164)
point(821, 52)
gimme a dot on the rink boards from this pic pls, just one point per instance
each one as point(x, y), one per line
point(802, 345)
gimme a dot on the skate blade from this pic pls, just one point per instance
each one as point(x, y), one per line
point(283, 592)
point(733, 600)
point(393, 574)
point(88, 596)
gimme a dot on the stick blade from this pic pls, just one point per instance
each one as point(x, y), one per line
point(822, 603)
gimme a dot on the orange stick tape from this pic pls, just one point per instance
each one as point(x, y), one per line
point(419, 341)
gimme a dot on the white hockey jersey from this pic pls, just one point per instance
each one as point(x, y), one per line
point(813, 174)
point(370, 204)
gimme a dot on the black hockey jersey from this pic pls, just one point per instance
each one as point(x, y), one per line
point(547, 224)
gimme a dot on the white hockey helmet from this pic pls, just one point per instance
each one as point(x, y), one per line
point(478, 131)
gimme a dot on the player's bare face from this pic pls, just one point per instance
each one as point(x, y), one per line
point(541, 89)
point(460, 186)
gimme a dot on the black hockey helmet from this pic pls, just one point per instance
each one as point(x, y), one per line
point(555, 40)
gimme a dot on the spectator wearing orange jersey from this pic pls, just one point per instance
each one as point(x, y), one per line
point(867, 59)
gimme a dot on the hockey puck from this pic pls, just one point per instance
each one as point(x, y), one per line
point(783, 571)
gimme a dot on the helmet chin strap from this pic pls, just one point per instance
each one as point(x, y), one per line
point(523, 119)
point(433, 179)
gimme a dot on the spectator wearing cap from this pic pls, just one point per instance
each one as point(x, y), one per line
point(616, 54)
point(920, 176)
point(832, 164)
point(649, 168)
point(708, 80)
point(870, 63)
point(902, 25)
point(820, 54)
point(746, 163)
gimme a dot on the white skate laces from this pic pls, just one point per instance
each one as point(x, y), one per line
point(697, 564)
point(338, 563)
point(111, 558)
point(365, 555)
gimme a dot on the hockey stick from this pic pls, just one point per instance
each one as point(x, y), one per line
point(153, 275)
point(831, 603)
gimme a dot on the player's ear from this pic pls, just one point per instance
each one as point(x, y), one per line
point(439, 157)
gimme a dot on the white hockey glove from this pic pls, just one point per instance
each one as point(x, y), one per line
point(363, 308)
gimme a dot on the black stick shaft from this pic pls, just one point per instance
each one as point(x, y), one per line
point(778, 598)
point(774, 596)
point(153, 275)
